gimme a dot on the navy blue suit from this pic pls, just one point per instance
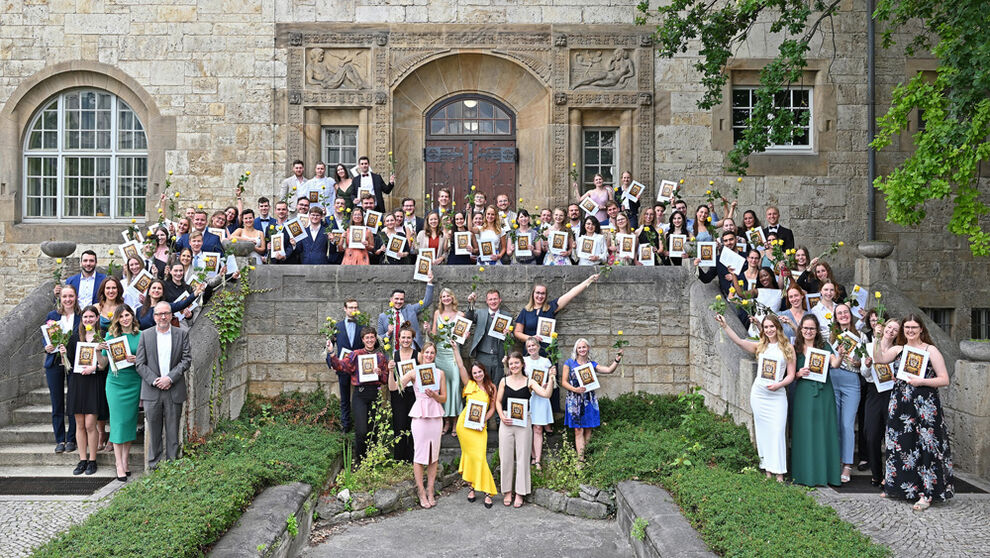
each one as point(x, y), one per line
point(343, 341)
point(336, 253)
point(287, 247)
point(55, 375)
point(313, 251)
point(74, 283)
point(262, 223)
point(211, 242)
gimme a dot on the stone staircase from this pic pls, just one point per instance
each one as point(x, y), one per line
point(27, 445)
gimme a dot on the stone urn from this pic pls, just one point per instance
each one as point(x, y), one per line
point(58, 248)
point(975, 350)
point(875, 248)
point(241, 249)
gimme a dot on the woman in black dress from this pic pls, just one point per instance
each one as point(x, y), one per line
point(919, 462)
point(402, 398)
point(86, 391)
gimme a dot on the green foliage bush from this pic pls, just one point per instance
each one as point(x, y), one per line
point(662, 411)
point(745, 514)
point(186, 505)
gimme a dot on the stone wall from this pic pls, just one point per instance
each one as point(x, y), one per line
point(967, 412)
point(282, 350)
point(22, 354)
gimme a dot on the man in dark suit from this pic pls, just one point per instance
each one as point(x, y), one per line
point(163, 358)
point(411, 220)
point(348, 337)
point(774, 226)
point(486, 349)
point(369, 181)
point(631, 205)
point(313, 248)
point(87, 282)
point(211, 242)
point(720, 271)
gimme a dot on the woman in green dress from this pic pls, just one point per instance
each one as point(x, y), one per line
point(448, 357)
point(814, 425)
point(124, 390)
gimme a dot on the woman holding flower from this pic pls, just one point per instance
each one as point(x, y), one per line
point(676, 225)
point(432, 237)
point(769, 402)
point(622, 226)
point(524, 221)
point(363, 394)
point(426, 413)
point(491, 233)
point(814, 435)
point(402, 398)
point(109, 296)
point(123, 389)
point(559, 223)
point(448, 355)
point(581, 405)
point(67, 316)
point(795, 312)
point(391, 227)
point(461, 225)
point(919, 460)
point(599, 194)
point(593, 231)
point(649, 230)
point(86, 391)
point(357, 256)
point(700, 227)
point(158, 253)
point(540, 410)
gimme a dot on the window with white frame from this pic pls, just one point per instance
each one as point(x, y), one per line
point(797, 100)
point(85, 156)
point(601, 146)
point(340, 146)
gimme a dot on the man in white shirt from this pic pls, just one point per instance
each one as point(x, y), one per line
point(293, 184)
point(502, 203)
point(163, 358)
point(87, 282)
point(320, 189)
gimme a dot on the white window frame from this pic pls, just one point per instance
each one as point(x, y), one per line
point(776, 148)
point(325, 147)
point(61, 153)
point(615, 155)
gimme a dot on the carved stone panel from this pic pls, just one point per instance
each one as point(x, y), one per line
point(338, 68)
point(602, 69)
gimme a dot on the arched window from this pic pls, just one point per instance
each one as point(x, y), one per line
point(85, 156)
point(470, 116)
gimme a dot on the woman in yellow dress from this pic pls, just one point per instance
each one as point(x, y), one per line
point(474, 444)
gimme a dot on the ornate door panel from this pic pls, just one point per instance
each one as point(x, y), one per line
point(470, 140)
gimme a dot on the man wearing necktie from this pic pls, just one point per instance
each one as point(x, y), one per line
point(400, 312)
point(347, 338)
point(367, 181)
point(486, 349)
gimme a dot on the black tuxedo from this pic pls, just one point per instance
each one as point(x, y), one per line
point(353, 343)
point(381, 188)
point(783, 233)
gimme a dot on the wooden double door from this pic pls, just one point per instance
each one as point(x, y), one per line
point(489, 165)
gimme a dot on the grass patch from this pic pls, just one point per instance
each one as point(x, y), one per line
point(186, 505)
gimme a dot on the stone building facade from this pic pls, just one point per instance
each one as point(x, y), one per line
point(498, 93)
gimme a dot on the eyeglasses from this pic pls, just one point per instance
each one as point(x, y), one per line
point(809, 329)
point(157, 314)
point(907, 327)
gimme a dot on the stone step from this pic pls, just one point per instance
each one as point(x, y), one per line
point(38, 397)
point(63, 470)
point(36, 433)
point(33, 414)
point(44, 455)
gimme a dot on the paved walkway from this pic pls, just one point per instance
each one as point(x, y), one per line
point(456, 528)
point(26, 524)
point(960, 527)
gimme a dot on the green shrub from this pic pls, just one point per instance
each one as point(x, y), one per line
point(662, 411)
point(561, 469)
point(186, 505)
point(745, 514)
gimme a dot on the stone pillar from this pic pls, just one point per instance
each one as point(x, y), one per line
point(628, 150)
point(576, 121)
point(311, 135)
point(967, 413)
point(873, 268)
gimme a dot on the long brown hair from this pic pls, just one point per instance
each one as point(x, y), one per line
point(804, 299)
point(82, 327)
point(115, 329)
point(101, 297)
point(924, 336)
point(799, 338)
point(486, 381)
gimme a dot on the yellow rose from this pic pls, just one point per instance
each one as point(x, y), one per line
point(420, 302)
point(709, 219)
point(741, 282)
point(691, 239)
point(452, 202)
point(89, 328)
point(553, 335)
point(568, 225)
point(732, 290)
point(58, 260)
point(293, 188)
point(348, 210)
point(856, 289)
point(133, 221)
point(329, 319)
point(573, 164)
point(646, 228)
point(387, 347)
point(176, 194)
point(473, 187)
point(520, 200)
point(170, 173)
point(110, 315)
point(745, 302)
point(536, 207)
point(111, 251)
point(682, 181)
point(148, 234)
point(232, 240)
point(842, 243)
point(619, 332)
point(718, 297)
point(515, 226)
point(711, 182)
point(251, 267)
point(389, 153)
point(877, 295)
point(481, 268)
point(355, 313)
point(828, 315)
point(200, 206)
point(708, 192)
point(739, 179)
point(390, 305)
point(159, 210)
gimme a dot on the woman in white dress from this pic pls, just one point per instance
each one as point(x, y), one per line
point(768, 400)
point(540, 412)
point(593, 231)
point(250, 234)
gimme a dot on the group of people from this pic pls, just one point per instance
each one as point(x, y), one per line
point(147, 369)
point(484, 369)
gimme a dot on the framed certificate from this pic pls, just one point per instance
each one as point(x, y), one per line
point(462, 327)
point(142, 281)
point(474, 417)
point(405, 366)
point(665, 193)
point(428, 252)
point(634, 191)
point(706, 253)
point(276, 246)
point(118, 350)
point(816, 360)
point(589, 206)
point(811, 299)
point(343, 353)
point(212, 262)
point(487, 248)
point(501, 326)
point(219, 231)
point(676, 244)
point(913, 363)
point(587, 377)
point(131, 250)
point(626, 244)
point(769, 370)
point(545, 328)
point(462, 243)
point(558, 242)
point(883, 377)
point(296, 229)
point(336, 235)
point(517, 410)
point(355, 237)
point(586, 245)
point(314, 196)
point(427, 378)
point(540, 376)
point(85, 356)
point(373, 220)
point(396, 244)
point(756, 237)
point(848, 340)
point(181, 297)
point(523, 247)
point(366, 365)
point(645, 255)
point(48, 329)
point(423, 265)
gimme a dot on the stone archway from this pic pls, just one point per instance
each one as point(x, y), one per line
point(474, 73)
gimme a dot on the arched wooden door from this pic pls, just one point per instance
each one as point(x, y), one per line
point(470, 140)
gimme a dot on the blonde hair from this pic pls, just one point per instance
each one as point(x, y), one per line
point(781, 340)
point(440, 305)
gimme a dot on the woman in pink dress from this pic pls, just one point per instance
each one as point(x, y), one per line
point(600, 194)
point(427, 425)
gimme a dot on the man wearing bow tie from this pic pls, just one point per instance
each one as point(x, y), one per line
point(367, 181)
point(774, 226)
point(348, 338)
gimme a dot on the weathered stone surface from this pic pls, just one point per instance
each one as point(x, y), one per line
point(549, 499)
point(386, 499)
point(584, 508)
point(329, 506)
point(264, 522)
point(344, 495)
point(588, 492)
point(668, 533)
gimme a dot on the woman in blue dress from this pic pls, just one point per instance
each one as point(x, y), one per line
point(582, 405)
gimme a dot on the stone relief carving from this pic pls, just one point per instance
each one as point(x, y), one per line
point(602, 69)
point(339, 68)
point(295, 39)
point(560, 98)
